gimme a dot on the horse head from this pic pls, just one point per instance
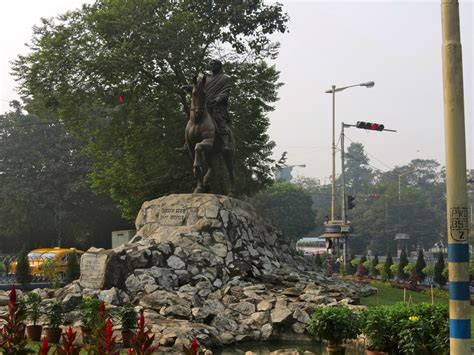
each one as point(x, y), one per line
point(198, 106)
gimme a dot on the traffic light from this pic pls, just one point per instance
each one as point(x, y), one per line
point(350, 202)
point(370, 125)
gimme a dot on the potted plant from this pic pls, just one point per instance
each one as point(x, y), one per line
point(128, 317)
point(335, 325)
point(89, 310)
point(32, 301)
point(377, 325)
point(55, 315)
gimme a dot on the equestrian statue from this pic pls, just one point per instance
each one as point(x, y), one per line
point(207, 132)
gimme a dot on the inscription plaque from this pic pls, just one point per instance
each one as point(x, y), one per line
point(172, 216)
point(93, 270)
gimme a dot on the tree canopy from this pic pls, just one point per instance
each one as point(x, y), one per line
point(110, 72)
point(288, 207)
point(383, 206)
point(44, 190)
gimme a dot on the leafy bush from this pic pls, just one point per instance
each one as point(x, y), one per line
point(420, 265)
point(438, 276)
point(382, 272)
point(404, 329)
point(334, 324)
point(387, 266)
point(402, 275)
point(408, 268)
point(394, 269)
point(22, 271)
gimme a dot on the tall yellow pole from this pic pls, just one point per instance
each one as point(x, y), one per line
point(333, 191)
point(456, 182)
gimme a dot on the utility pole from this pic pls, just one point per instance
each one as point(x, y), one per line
point(456, 182)
point(333, 188)
point(343, 202)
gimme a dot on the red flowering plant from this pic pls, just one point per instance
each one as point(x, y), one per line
point(12, 334)
point(193, 349)
point(103, 340)
point(106, 341)
point(140, 343)
point(44, 348)
point(68, 347)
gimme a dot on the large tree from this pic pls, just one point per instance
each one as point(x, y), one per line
point(44, 190)
point(288, 206)
point(110, 71)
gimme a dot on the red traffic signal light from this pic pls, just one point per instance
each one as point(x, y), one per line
point(370, 125)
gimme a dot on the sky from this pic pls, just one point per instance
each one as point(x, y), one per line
point(396, 44)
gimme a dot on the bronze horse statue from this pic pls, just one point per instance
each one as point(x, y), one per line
point(203, 142)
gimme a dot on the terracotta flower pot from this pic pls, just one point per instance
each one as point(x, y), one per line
point(375, 352)
point(33, 332)
point(126, 337)
point(336, 349)
point(53, 335)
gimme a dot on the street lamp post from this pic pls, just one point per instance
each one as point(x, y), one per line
point(333, 91)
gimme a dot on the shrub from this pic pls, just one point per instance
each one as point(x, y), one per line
point(334, 324)
point(401, 266)
point(426, 330)
point(3, 267)
point(408, 268)
point(428, 271)
point(438, 276)
point(22, 271)
point(404, 329)
point(420, 265)
point(394, 269)
point(375, 261)
point(387, 266)
point(381, 270)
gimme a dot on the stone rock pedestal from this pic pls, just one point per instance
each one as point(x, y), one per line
point(210, 267)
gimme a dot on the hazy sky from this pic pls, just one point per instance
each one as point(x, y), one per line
point(397, 44)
